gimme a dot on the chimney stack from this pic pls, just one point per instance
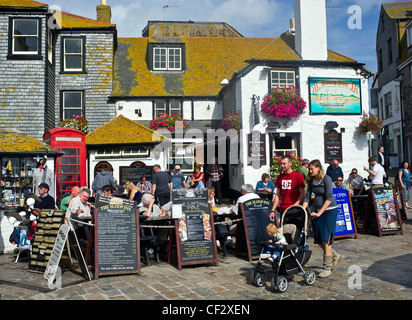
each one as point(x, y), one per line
point(104, 12)
point(310, 31)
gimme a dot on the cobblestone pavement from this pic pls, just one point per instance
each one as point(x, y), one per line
point(382, 264)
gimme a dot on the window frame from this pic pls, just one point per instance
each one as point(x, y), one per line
point(62, 100)
point(388, 107)
point(22, 55)
point(167, 107)
point(286, 71)
point(63, 69)
point(168, 47)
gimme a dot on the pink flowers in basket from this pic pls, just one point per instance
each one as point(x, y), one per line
point(370, 123)
point(168, 121)
point(283, 103)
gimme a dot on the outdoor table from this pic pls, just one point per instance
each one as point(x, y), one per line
point(222, 219)
point(359, 205)
point(154, 240)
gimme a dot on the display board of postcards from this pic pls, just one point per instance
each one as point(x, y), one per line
point(47, 229)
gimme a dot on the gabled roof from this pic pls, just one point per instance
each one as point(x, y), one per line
point(122, 130)
point(22, 4)
point(72, 21)
point(14, 141)
point(398, 10)
point(209, 60)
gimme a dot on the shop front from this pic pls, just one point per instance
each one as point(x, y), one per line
point(24, 162)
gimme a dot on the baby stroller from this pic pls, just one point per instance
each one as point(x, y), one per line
point(293, 256)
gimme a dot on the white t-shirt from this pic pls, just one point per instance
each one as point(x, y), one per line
point(243, 199)
point(378, 179)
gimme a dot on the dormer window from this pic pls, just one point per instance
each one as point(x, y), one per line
point(166, 57)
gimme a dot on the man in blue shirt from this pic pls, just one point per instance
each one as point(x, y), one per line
point(334, 170)
point(47, 201)
point(178, 179)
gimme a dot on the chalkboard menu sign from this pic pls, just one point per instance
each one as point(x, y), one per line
point(195, 236)
point(117, 244)
point(345, 221)
point(333, 146)
point(252, 230)
point(382, 212)
point(135, 172)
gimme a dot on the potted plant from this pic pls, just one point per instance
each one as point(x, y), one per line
point(283, 103)
point(231, 121)
point(370, 123)
point(168, 121)
point(77, 122)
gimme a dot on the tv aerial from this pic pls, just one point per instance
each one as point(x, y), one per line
point(167, 7)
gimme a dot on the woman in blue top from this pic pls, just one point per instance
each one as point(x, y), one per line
point(405, 182)
point(324, 210)
point(265, 187)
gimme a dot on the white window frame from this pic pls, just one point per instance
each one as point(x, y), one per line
point(167, 54)
point(37, 36)
point(168, 107)
point(81, 54)
point(409, 35)
point(289, 82)
point(64, 102)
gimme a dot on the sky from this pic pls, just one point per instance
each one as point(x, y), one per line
point(351, 24)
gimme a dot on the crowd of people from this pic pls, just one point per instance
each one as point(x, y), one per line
point(311, 186)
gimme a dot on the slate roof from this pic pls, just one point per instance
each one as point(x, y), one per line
point(122, 131)
point(22, 4)
point(209, 60)
point(398, 10)
point(14, 141)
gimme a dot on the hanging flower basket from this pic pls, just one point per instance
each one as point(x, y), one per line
point(231, 121)
point(370, 123)
point(283, 103)
point(78, 122)
point(168, 121)
point(276, 168)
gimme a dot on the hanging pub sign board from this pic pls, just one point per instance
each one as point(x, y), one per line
point(194, 230)
point(345, 221)
point(252, 230)
point(256, 149)
point(382, 212)
point(117, 242)
point(333, 146)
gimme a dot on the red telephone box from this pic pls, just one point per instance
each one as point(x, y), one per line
point(70, 168)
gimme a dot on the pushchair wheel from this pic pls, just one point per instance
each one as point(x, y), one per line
point(258, 278)
point(280, 284)
point(309, 277)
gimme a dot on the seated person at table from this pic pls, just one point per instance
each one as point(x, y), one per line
point(355, 181)
point(133, 192)
point(198, 179)
point(107, 190)
point(178, 178)
point(150, 209)
point(265, 187)
point(144, 185)
point(212, 197)
point(247, 194)
point(79, 209)
point(339, 183)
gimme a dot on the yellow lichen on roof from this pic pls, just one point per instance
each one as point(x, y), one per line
point(21, 4)
point(398, 10)
point(69, 20)
point(18, 142)
point(122, 130)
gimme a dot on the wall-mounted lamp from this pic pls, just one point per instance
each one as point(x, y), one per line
point(274, 125)
point(138, 112)
point(331, 125)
